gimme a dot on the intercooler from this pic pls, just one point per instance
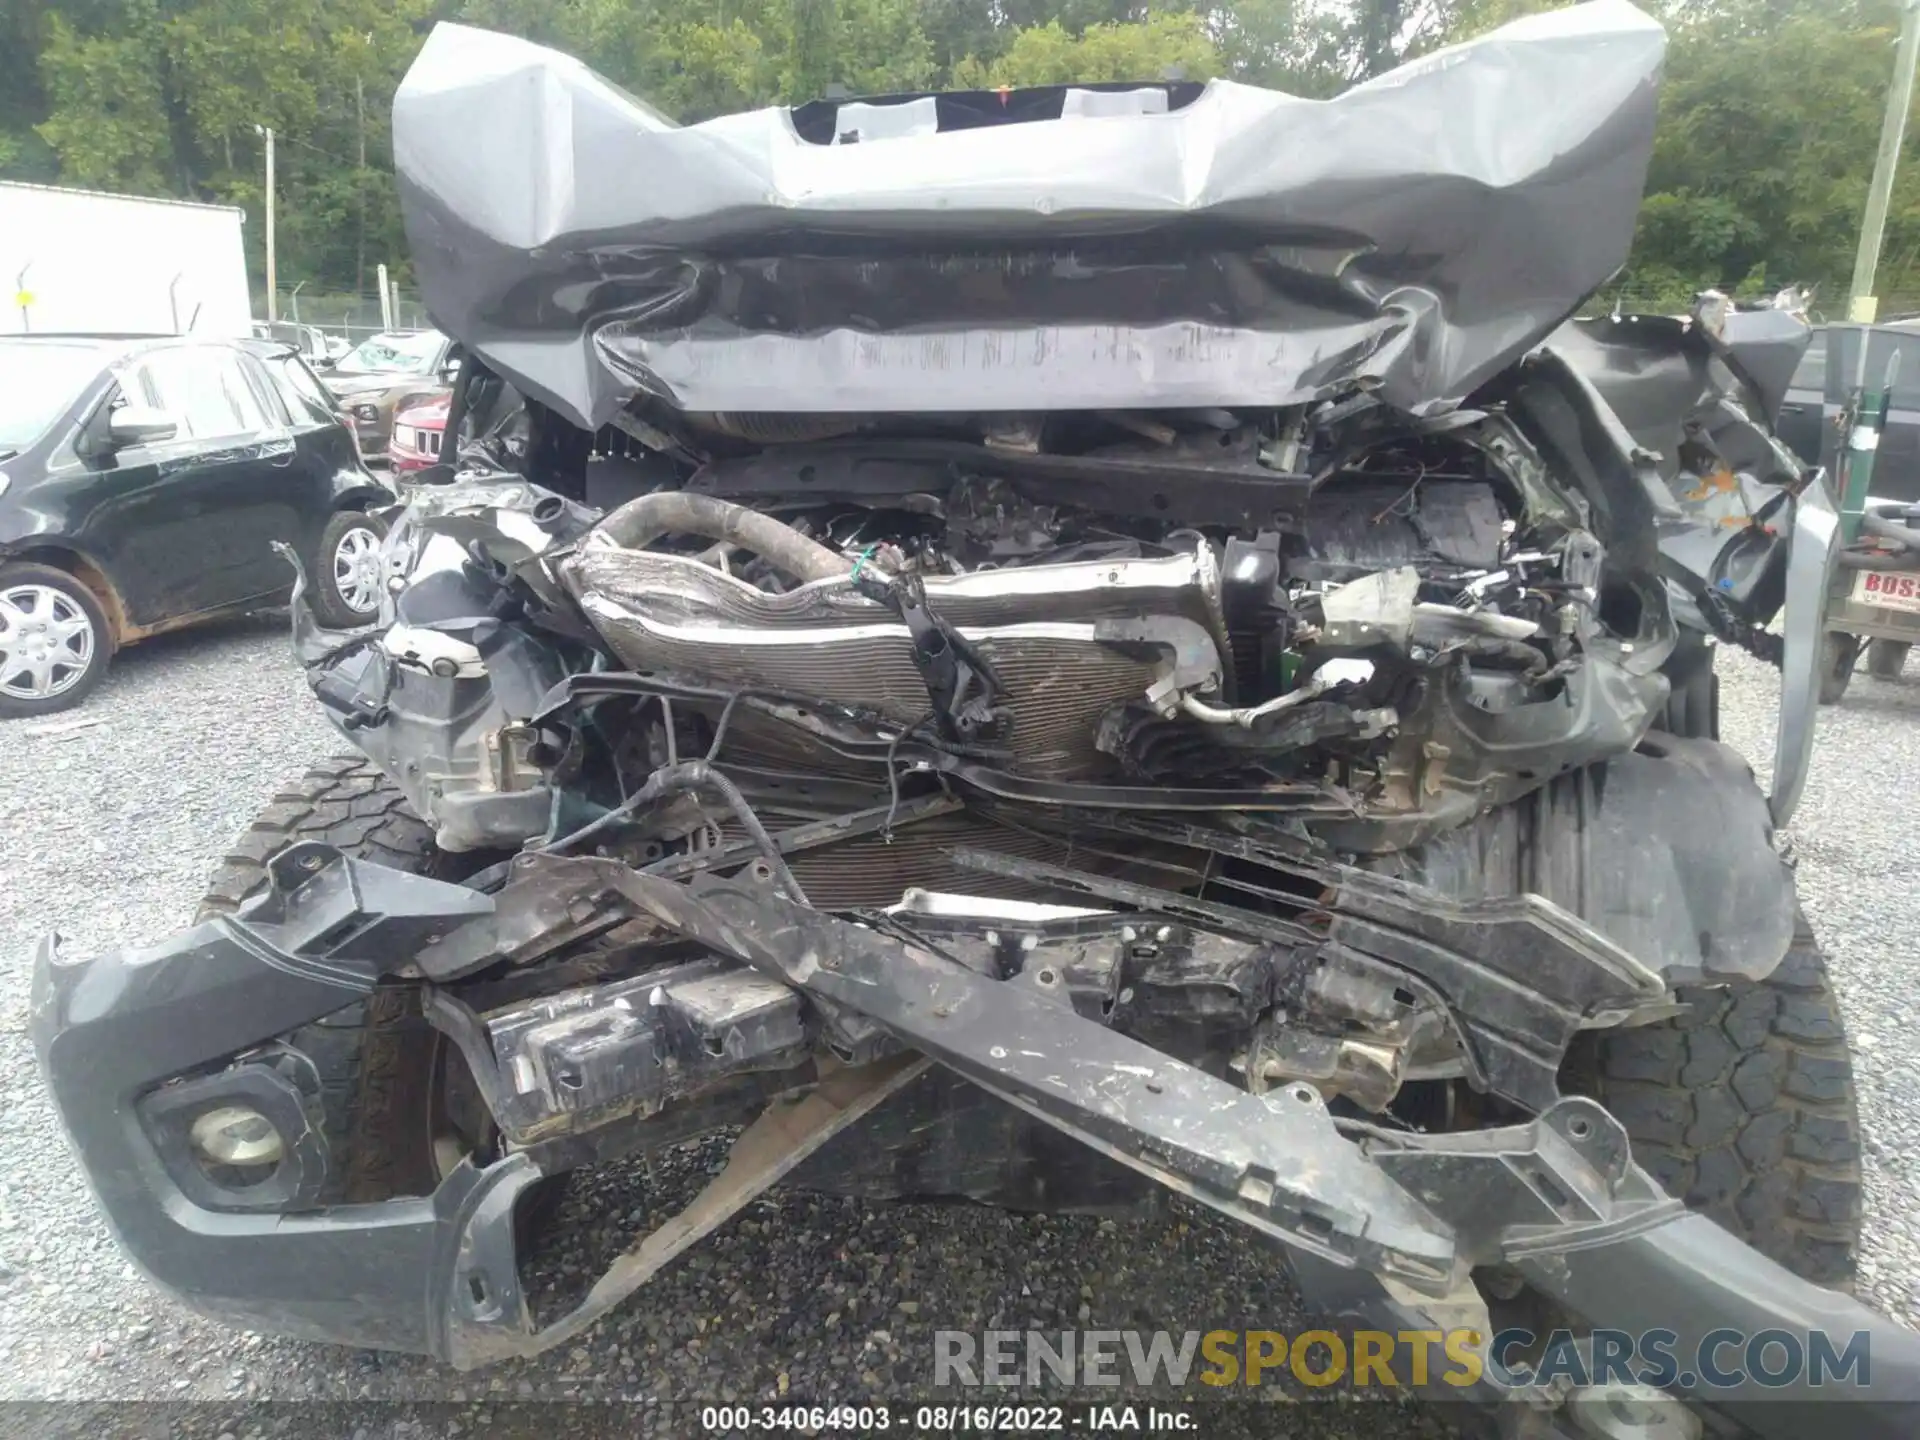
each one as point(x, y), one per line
point(875, 870)
point(1033, 625)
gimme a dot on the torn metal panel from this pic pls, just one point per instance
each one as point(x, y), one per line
point(1517, 974)
point(1665, 852)
point(1276, 1162)
point(1661, 374)
point(1416, 234)
point(1557, 1196)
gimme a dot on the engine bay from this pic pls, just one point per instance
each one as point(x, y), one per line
point(1197, 666)
point(1375, 628)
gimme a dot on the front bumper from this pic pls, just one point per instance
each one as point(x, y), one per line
point(1387, 1225)
point(109, 1030)
point(1812, 556)
point(371, 432)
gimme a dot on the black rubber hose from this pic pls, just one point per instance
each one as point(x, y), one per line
point(638, 523)
point(1855, 559)
point(1881, 526)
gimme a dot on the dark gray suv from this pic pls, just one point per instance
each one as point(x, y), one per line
point(1810, 417)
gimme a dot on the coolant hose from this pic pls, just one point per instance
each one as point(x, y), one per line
point(1855, 558)
point(638, 523)
point(1882, 526)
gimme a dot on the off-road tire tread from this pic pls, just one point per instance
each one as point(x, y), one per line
point(373, 1058)
point(1745, 1108)
point(1887, 658)
point(1839, 653)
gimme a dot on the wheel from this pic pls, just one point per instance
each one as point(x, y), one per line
point(1837, 655)
point(345, 571)
point(54, 640)
point(1745, 1108)
point(1887, 658)
point(384, 1072)
point(1693, 701)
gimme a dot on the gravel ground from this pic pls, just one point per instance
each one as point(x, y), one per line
point(116, 814)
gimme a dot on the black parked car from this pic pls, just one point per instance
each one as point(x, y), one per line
point(142, 485)
point(1809, 420)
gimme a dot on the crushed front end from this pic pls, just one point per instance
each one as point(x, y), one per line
point(1257, 786)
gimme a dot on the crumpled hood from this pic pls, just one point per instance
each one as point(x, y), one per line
point(1418, 233)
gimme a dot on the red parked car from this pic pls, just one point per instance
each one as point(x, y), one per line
point(417, 431)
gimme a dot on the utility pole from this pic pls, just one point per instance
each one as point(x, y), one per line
point(1862, 303)
point(272, 300)
point(360, 188)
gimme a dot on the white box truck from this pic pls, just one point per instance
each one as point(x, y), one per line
point(80, 260)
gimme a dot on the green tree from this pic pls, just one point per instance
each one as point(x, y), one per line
point(165, 97)
point(1769, 116)
point(813, 54)
point(1769, 110)
point(108, 120)
point(1132, 50)
point(884, 48)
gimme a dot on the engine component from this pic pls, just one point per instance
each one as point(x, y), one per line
point(440, 700)
point(1032, 627)
point(630, 1046)
point(775, 427)
point(641, 521)
point(1354, 527)
point(961, 685)
point(1365, 1070)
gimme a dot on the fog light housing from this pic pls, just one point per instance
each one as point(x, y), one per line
point(236, 1135)
point(246, 1138)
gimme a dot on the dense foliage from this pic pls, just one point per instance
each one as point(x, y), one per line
point(1770, 113)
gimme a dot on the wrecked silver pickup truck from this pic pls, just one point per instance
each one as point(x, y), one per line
point(1151, 656)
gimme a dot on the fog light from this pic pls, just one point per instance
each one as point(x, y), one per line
point(236, 1135)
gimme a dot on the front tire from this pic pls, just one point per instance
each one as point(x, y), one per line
point(379, 1062)
point(1745, 1108)
point(1887, 658)
point(1693, 697)
point(1838, 653)
point(346, 571)
point(54, 640)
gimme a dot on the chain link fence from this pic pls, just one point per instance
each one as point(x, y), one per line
point(1829, 303)
point(354, 317)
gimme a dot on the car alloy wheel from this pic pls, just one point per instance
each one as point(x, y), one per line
point(47, 642)
point(356, 569)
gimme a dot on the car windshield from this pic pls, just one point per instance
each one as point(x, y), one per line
point(38, 381)
point(286, 334)
point(395, 354)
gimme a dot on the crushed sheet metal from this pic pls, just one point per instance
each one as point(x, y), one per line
point(1276, 1163)
point(1418, 233)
